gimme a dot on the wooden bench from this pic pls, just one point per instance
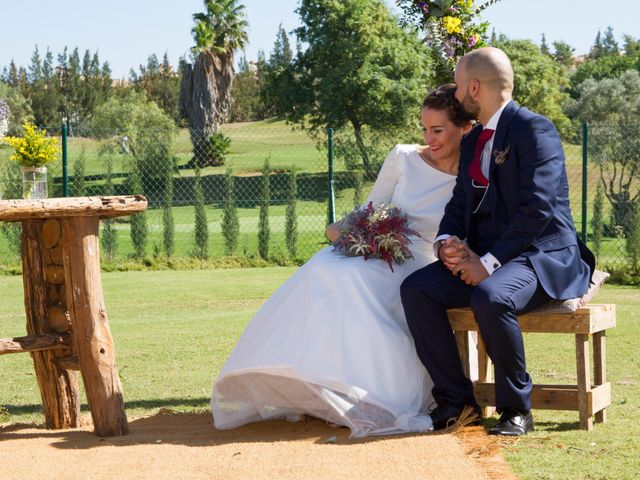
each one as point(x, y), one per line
point(588, 398)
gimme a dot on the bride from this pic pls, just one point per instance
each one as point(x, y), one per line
point(332, 342)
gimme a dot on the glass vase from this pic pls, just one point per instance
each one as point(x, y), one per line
point(34, 182)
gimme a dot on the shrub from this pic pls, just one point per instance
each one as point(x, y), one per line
point(633, 235)
point(77, 187)
point(138, 223)
point(168, 227)
point(201, 227)
point(291, 225)
point(597, 221)
point(263, 224)
point(230, 220)
point(109, 236)
point(358, 184)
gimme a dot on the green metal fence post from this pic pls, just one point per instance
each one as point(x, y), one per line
point(332, 199)
point(65, 171)
point(585, 158)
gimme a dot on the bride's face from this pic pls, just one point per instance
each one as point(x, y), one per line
point(441, 135)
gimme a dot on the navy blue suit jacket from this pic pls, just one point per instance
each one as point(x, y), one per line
point(528, 196)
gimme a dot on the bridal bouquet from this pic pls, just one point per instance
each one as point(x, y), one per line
point(375, 232)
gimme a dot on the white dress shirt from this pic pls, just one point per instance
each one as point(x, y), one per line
point(490, 263)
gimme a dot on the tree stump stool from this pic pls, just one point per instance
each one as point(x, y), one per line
point(67, 325)
point(589, 398)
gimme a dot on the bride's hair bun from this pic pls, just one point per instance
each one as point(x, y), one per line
point(442, 98)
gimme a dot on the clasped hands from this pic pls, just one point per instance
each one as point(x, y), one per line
point(462, 261)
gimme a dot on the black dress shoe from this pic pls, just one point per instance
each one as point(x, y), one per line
point(446, 415)
point(513, 423)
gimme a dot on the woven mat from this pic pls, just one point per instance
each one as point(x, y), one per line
point(186, 446)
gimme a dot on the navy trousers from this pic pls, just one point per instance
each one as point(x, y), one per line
point(513, 288)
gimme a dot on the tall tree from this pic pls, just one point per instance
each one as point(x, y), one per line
point(205, 91)
point(160, 82)
point(246, 105)
point(539, 81)
point(609, 44)
point(544, 48)
point(631, 46)
point(612, 106)
point(597, 50)
point(375, 82)
point(275, 74)
point(563, 53)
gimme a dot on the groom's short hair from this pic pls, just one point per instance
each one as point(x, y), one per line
point(491, 66)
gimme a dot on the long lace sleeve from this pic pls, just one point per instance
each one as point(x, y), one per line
point(385, 184)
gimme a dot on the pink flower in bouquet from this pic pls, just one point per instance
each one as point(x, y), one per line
point(376, 232)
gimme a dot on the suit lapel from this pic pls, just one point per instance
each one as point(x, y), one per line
point(508, 114)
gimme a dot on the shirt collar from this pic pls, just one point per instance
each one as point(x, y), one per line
point(493, 121)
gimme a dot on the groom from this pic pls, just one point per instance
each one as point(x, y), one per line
point(510, 205)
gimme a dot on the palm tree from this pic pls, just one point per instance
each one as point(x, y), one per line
point(205, 92)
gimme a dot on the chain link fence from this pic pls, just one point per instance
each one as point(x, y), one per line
point(262, 190)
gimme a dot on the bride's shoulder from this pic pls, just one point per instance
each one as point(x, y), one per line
point(403, 151)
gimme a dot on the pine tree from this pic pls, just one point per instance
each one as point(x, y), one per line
point(358, 184)
point(633, 235)
point(138, 222)
point(291, 225)
point(77, 187)
point(201, 228)
point(597, 50)
point(609, 44)
point(264, 232)
point(109, 236)
point(544, 48)
point(230, 220)
point(597, 221)
point(168, 226)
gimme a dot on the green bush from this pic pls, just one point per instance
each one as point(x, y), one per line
point(633, 236)
point(597, 221)
point(168, 227)
point(201, 227)
point(211, 151)
point(264, 232)
point(230, 220)
point(77, 187)
point(139, 230)
point(109, 236)
point(291, 217)
point(358, 186)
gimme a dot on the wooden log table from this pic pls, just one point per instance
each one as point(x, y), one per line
point(67, 324)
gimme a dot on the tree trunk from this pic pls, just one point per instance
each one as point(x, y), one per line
point(205, 99)
point(368, 171)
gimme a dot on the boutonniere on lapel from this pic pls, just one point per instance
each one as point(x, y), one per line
point(499, 156)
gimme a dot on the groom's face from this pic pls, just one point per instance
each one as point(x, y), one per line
point(463, 92)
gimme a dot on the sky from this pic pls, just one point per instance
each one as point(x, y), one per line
point(125, 33)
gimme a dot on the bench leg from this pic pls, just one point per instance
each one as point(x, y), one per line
point(599, 367)
point(484, 372)
point(584, 381)
point(463, 342)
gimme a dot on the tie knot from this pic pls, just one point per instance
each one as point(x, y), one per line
point(485, 135)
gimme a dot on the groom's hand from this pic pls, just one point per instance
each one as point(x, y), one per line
point(452, 252)
point(471, 271)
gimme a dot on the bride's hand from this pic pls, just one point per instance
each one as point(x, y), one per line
point(333, 231)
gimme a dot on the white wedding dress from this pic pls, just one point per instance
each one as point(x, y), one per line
point(332, 341)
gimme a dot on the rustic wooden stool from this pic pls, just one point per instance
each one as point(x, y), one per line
point(587, 398)
point(66, 318)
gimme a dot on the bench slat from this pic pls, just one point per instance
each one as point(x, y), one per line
point(586, 320)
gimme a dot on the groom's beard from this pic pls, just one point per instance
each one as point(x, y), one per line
point(471, 106)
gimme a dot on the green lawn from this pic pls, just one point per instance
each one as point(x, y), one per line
point(173, 339)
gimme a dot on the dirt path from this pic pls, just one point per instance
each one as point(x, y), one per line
point(181, 446)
